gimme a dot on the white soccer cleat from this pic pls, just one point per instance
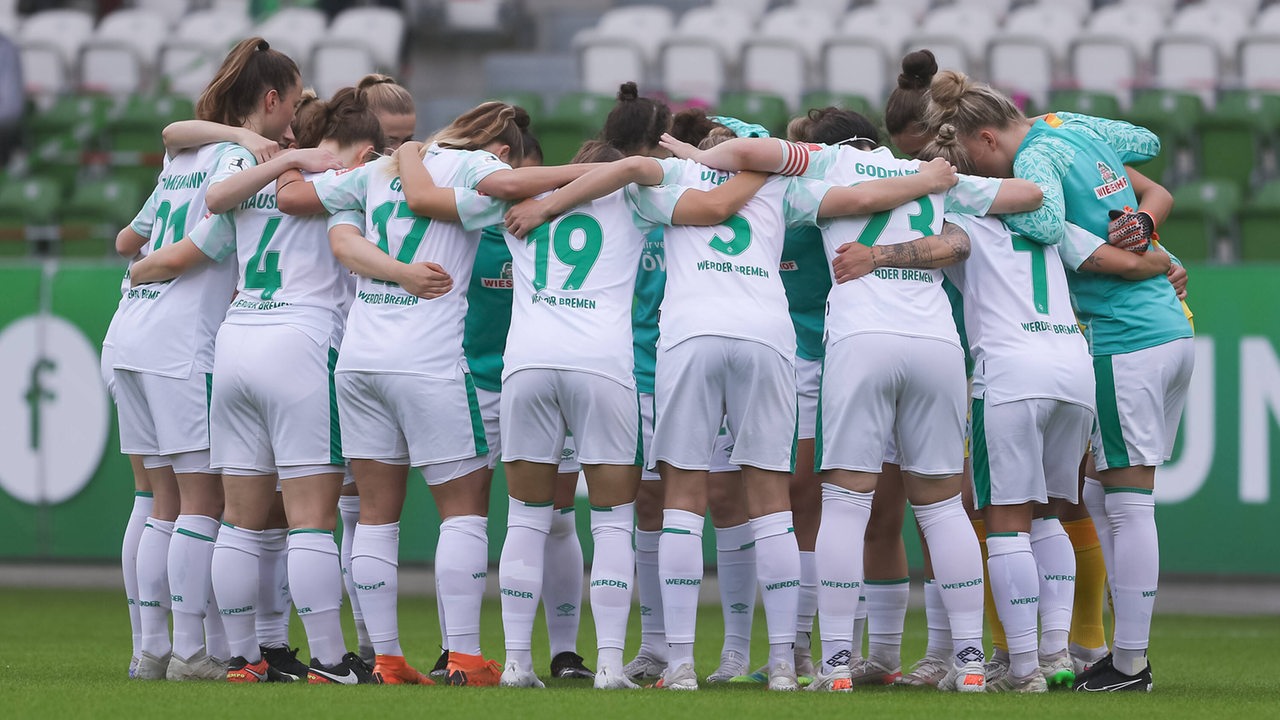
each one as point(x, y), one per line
point(151, 667)
point(200, 667)
point(133, 666)
point(1058, 669)
point(837, 680)
point(783, 677)
point(644, 666)
point(515, 676)
point(609, 679)
point(804, 663)
point(1000, 680)
point(680, 678)
point(968, 678)
point(732, 664)
point(927, 671)
point(865, 671)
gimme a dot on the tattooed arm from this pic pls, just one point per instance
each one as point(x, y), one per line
point(854, 260)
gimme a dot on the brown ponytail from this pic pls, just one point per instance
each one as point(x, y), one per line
point(968, 105)
point(249, 71)
point(906, 106)
point(345, 119)
point(384, 95)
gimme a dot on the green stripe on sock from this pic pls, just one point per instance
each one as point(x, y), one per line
point(143, 493)
point(748, 546)
point(548, 503)
point(335, 428)
point(1114, 448)
point(1001, 534)
point(1138, 491)
point(227, 524)
point(676, 531)
point(196, 535)
point(567, 510)
point(598, 508)
point(895, 581)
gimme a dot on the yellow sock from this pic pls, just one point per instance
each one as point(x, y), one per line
point(1091, 585)
point(998, 640)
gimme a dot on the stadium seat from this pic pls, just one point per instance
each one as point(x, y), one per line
point(379, 29)
point(1164, 8)
point(1259, 61)
point(573, 118)
point(1248, 8)
point(1022, 66)
point(997, 8)
point(1172, 116)
point(49, 43)
point(753, 8)
point(966, 27)
point(1203, 215)
point(95, 212)
point(1232, 135)
point(822, 98)
point(863, 57)
point(760, 108)
point(475, 16)
point(1220, 22)
point(196, 47)
point(833, 8)
point(1258, 222)
point(1268, 20)
point(1134, 24)
point(120, 57)
point(1055, 25)
point(532, 102)
point(1105, 63)
point(24, 204)
point(698, 59)
point(338, 63)
point(916, 8)
point(1085, 102)
point(171, 10)
point(294, 31)
point(622, 46)
point(136, 128)
point(77, 117)
point(1188, 62)
point(781, 58)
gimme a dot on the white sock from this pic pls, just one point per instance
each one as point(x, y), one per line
point(957, 568)
point(808, 606)
point(142, 503)
point(215, 632)
point(520, 575)
point(462, 566)
point(1133, 520)
point(1015, 587)
point(274, 601)
point(736, 572)
point(235, 585)
point(935, 617)
point(860, 626)
point(190, 551)
point(612, 574)
point(680, 570)
point(1094, 497)
point(375, 557)
point(886, 615)
point(1056, 566)
point(778, 570)
point(653, 635)
point(349, 512)
point(838, 557)
point(315, 580)
point(153, 587)
point(440, 619)
point(562, 582)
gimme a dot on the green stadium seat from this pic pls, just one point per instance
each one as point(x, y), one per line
point(137, 127)
point(573, 118)
point(1204, 212)
point(93, 215)
point(24, 203)
point(530, 101)
point(1258, 223)
point(75, 116)
point(761, 108)
point(1084, 102)
point(1172, 116)
point(856, 103)
point(1230, 135)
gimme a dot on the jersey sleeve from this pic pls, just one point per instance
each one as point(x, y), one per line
point(480, 165)
point(477, 211)
point(654, 204)
point(347, 217)
point(215, 236)
point(231, 160)
point(1077, 245)
point(145, 220)
point(1044, 163)
point(1134, 144)
point(971, 195)
point(343, 189)
point(803, 200)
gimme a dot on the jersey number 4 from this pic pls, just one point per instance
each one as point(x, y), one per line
point(580, 259)
point(263, 271)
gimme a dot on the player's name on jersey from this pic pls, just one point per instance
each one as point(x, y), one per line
point(728, 267)
point(715, 177)
point(907, 274)
point(1039, 326)
point(188, 181)
point(565, 302)
point(243, 304)
point(380, 298)
point(143, 293)
point(261, 201)
point(882, 172)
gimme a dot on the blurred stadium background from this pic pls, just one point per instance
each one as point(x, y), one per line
point(93, 83)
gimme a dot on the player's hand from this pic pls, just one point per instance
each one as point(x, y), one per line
point(679, 148)
point(314, 160)
point(1178, 278)
point(521, 219)
point(941, 174)
point(261, 148)
point(853, 260)
point(409, 151)
point(1130, 230)
point(426, 280)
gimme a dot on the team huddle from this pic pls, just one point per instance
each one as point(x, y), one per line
point(798, 336)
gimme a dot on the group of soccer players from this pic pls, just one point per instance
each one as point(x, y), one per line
point(696, 316)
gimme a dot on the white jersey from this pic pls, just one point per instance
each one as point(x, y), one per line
point(288, 274)
point(1018, 318)
point(721, 279)
point(389, 330)
point(900, 301)
point(575, 281)
point(168, 328)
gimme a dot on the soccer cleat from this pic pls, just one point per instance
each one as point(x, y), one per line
point(393, 670)
point(1058, 669)
point(644, 666)
point(1083, 658)
point(804, 663)
point(351, 670)
point(732, 664)
point(928, 671)
point(836, 680)
point(200, 667)
point(678, 678)
point(968, 678)
point(1104, 677)
point(472, 670)
point(285, 660)
point(758, 676)
point(367, 654)
point(608, 679)
point(441, 668)
point(151, 667)
point(870, 672)
point(999, 679)
point(515, 676)
point(569, 665)
point(133, 666)
point(783, 677)
point(242, 671)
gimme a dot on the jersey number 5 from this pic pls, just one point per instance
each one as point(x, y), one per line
point(581, 259)
point(738, 242)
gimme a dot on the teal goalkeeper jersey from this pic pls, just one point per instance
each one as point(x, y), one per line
point(1085, 157)
point(484, 336)
point(807, 279)
point(650, 286)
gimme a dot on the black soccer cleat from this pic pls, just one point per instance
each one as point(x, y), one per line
point(1103, 676)
point(350, 671)
point(441, 668)
point(569, 665)
point(284, 660)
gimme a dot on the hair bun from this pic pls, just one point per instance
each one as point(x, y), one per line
point(628, 91)
point(521, 117)
point(946, 135)
point(262, 45)
point(372, 79)
point(918, 69)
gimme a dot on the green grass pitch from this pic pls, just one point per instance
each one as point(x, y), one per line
point(66, 654)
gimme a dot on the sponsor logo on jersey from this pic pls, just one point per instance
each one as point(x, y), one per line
point(236, 165)
point(788, 265)
point(505, 282)
point(1111, 182)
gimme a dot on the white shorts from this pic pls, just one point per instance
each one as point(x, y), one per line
point(412, 420)
point(106, 365)
point(707, 382)
point(808, 390)
point(162, 415)
point(274, 405)
point(1028, 450)
point(540, 406)
point(877, 386)
point(1140, 398)
point(490, 405)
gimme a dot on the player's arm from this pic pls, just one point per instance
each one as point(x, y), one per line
point(1111, 260)
point(234, 189)
point(424, 197)
point(521, 183)
point(1016, 195)
point(715, 206)
point(425, 280)
point(874, 196)
point(297, 196)
point(602, 180)
point(854, 260)
point(761, 154)
point(1153, 198)
point(129, 242)
point(184, 134)
point(1046, 224)
point(167, 263)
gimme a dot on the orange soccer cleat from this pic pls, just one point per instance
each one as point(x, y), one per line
point(472, 670)
point(393, 670)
